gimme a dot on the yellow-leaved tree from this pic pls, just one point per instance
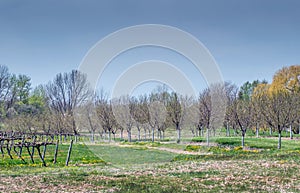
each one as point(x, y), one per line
point(286, 80)
point(278, 102)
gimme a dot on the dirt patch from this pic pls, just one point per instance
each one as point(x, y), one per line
point(178, 151)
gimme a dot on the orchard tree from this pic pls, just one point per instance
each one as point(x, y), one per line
point(157, 116)
point(67, 92)
point(243, 116)
point(176, 113)
point(122, 112)
point(287, 79)
point(282, 98)
point(160, 96)
point(231, 91)
point(4, 89)
point(193, 117)
point(218, 105)
point(140, 113)
point(86, 118)
point(205, 110)
point(212, 104)
point(276, 108)
point(105, 114)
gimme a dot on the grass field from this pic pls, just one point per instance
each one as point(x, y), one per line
point(160, 167)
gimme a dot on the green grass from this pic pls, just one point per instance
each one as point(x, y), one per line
point(263, 143)
point(80, 155)
point(145, 167)
point(130, 155)
point(253, 142)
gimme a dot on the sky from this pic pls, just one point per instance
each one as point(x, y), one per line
point(249, 39)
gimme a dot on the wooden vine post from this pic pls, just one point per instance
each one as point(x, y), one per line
point(69, 153)
point(56, 151)
point(16, 143)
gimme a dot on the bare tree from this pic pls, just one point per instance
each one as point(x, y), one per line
point(177, 111)
point(212, 105)
point(231, 91)
point(4, 90)
point(218, 96)
point(140, 113)
point(4, 86)
point(86, 118)
point(105, 114)
point(122, 111)
point(243, 115)
point(193, 117)
point(66, 92)
point(276, 108)
point(157, 116)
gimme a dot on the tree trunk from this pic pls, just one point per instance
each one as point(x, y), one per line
point(279, 140)
point(152, 134)
point(178, 133)
point(109, 136)
point(291, 132)
point(158, 134)
point(243, 139)
point(139, 134)
point(121, 133)
point(271, 132)
point(145, 134)
point(227, 130)
point(257, 130)
point(234, 131)
point(1, 149)
point(129, 135)
point(93, 136)
point(101, 135)
point(207, 137)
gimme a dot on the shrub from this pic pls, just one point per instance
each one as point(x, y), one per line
point(192, 148)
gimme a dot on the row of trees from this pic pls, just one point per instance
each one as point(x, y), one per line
point(67, 105)
point(274, 106)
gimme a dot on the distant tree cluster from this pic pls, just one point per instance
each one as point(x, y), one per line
point(67, 105)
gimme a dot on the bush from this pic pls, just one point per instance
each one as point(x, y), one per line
point(238, 148)
point(192, 148)
point(198, 139)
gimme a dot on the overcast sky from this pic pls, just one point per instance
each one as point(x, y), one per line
point(250, 39)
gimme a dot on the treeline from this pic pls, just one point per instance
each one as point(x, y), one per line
point(67, 105)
